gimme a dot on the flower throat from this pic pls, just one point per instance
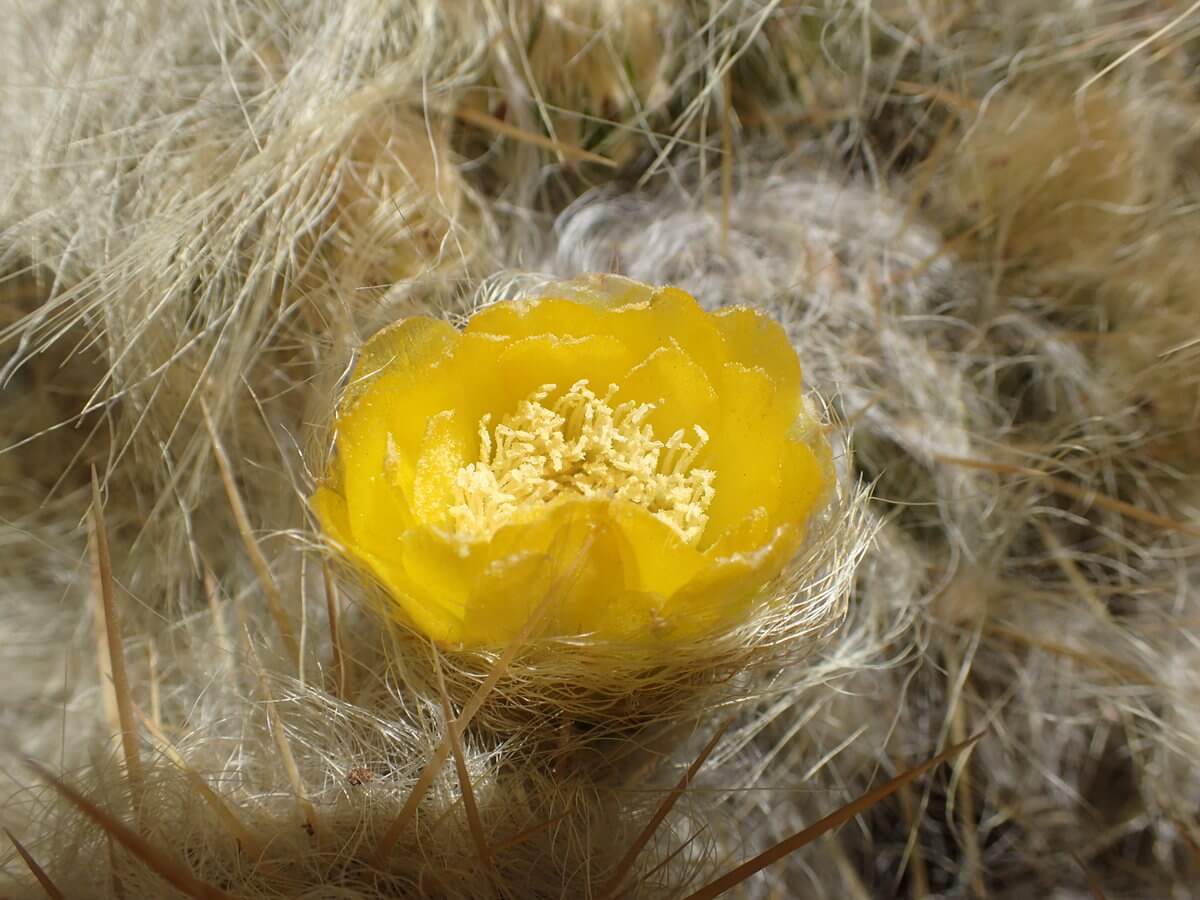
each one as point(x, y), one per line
point(580, 445)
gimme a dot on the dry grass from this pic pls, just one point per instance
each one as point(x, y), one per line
point(977, 222)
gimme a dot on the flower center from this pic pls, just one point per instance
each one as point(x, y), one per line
point(580, 445)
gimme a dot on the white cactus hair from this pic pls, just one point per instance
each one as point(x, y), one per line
point(976, 223)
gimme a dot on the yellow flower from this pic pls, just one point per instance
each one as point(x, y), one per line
point(652, 464)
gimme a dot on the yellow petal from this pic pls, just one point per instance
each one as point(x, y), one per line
point(507, 594)
point(533, 318)
point(659, 562)
point(668, 315)
point(407, 397)
point(544, 560)
point(804, 482)
point(579, 307)
point(397, 386)
point(753, 530)
point(591, 567)
point(746, 448)
point(428, 613)
point(527, 364)
point(382, 435)
point(676, 316)
point(609, 597)
point(435, 581)
point(330, 509)
point(591, 561)
point(417, 604)
point(408, 347)
point(370, 477)
point(757, 340)
point(679, 388)
point(725, 591)
point(450, 443)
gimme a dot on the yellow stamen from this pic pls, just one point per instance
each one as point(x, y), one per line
point(580, 446)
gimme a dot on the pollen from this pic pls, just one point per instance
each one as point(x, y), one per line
point(580, 446)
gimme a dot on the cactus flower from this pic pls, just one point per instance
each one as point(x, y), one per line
point(660, 454)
